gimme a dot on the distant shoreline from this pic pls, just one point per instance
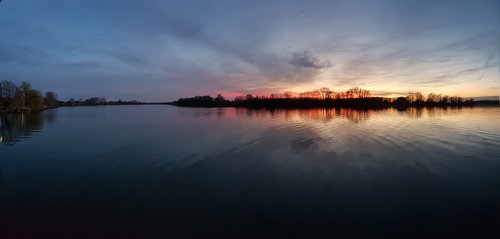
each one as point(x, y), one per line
point(354, 97)
point(24, 99)
point(23, 111)
point(482, 103)
point(360, 103)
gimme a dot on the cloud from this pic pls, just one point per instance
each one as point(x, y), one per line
point(306, 59)
point(84, 64)
point(486, 65)
point(450, 76)
point(387, 93)
point(24, 55)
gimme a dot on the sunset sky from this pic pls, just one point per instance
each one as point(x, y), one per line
point(162, 50)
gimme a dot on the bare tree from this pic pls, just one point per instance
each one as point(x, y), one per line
point(415, 97)
point(8, 92)
point(50, 99)
point(444, 99)
point(23, 94)
point(433, 98)
point(288, 94)
point(323, 93)
point(219, 97)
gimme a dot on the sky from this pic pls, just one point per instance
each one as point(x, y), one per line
point(162, 50)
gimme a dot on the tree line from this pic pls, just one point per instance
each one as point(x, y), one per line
point(24, 98)
point(320, 94)
point(93, 101)
point(432, 99)
point(324, 97)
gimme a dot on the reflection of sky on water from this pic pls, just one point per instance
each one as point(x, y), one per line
point(176, 137)
point(167, 170)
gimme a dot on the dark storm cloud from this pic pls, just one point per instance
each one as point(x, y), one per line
point(306, 59)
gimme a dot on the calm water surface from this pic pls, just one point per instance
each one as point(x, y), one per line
point(162, 171)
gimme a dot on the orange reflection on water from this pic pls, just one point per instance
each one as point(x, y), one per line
point(318, 115)
point(326, 115)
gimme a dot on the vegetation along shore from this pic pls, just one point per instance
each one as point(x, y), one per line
point(25, 99)
point(325, 98)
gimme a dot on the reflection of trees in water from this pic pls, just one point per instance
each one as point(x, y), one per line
point(356, 115)
point(50, 116)
point(261, 112)
point(432, 112)
point(437, 112)
point(320, 114)
point(414, 112)
point(17, 126)
point(326, 115)
point(202, 112)
point(353, 115)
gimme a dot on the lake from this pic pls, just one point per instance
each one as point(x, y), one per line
point(168, 172)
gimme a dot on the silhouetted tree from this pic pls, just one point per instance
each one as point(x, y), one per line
point(71, 102)
point(455, 100)
point(401, 102)
point(353, 92)
point(34, 100)
point(241, 98)
point(444, 99)
point(353, 98)
point(22, 95)
point(50, 99)
point(288, 94)
point(324, 93)
point(8, 91)
point(356, 92)
point(219, 98)
point(433, 98)
point(415, 97)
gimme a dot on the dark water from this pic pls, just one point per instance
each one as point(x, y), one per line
point(167, 172)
